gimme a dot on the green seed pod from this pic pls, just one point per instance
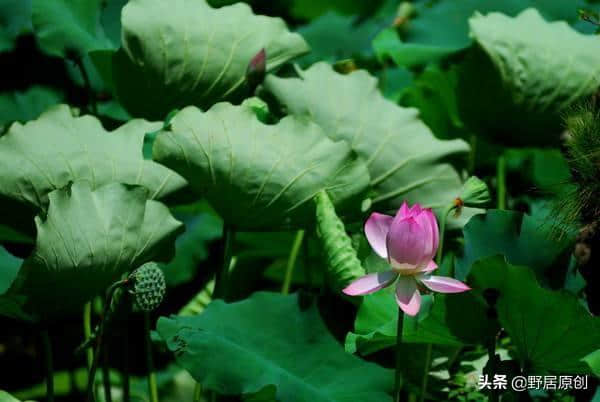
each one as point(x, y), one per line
point(343, 266)
point(149, 286)
point(475, 193)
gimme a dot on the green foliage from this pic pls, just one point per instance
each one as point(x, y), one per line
point(343, 266)
point(59, 148)
point(27, 105)
point(152, 77)
point(87, 240)
point(520, 71)
point(551, 330)
point(69, 28)
point(513, 235)
point(402, 155)
point(15, 19)
point(259, 176)
point(304, 366)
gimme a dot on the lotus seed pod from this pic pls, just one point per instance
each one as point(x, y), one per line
point(148, 286)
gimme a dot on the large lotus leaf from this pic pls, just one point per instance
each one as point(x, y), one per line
point(87, 240)
point(191, 248)
point(523, 239)
point(333, 37)
point(531, 70)
point(6, 397)
point(15, 18)
point(259, 176)
point(453, 320)
point(9, 267)
point(441, 29)
point(27, 105)
point(46, 154)
point(403, 157)
point(65, 27)
point(184, 52)
point(271, 342)
point(551, 330)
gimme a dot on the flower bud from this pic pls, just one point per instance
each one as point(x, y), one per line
point(257, 68)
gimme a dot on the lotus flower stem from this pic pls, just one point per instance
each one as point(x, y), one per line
point(87, 332)
point(47, 345)
point(86, 81)
point(398, 376)
point(501, 179)
point(221, 277)
point(291, 264)
point(152, 387)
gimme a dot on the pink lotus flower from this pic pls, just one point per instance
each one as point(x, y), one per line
point(409, 241)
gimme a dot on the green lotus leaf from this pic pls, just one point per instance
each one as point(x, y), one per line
point(15, 19)
point(334, 37)
point(6, 397)
point(532, 70)
point(27, 105)
point(185, 52)
point(404, 159)
point(593, 360)
point(452, 320)
point(551, 330)
point(58, 148)
point(441, 29)
point(65, 27)
point(259, 176)
point(514, 235)
point(87, 240)
point(305, 365)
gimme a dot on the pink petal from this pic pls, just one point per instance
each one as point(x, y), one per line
point(376, 230)
point(434, 229)
point(403, 212)
point(416, 210)
point(406, 242)
point(424, 220)
point(431, 266)
point(443, 284)
point(370, 283)
point(407, 295)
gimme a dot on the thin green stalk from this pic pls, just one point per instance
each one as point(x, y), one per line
point(221, 277)
point(87, 83)
point(291, 264)
point(501, 181)
point(197, 392)
point(472, 153)
point(92, 372)
point(398, 376)
point(47, 345)
point(152, 387)
point(426, 372)
point(444, 217)
point(87, 331)
point(106, 374)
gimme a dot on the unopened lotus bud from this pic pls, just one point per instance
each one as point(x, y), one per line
point(257, 68)
point(148, 286)
point(475, 193)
